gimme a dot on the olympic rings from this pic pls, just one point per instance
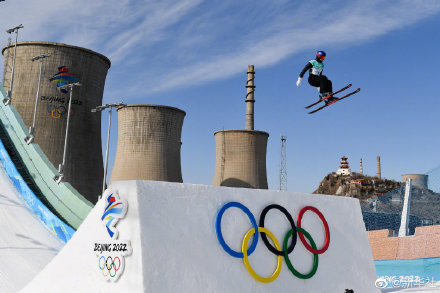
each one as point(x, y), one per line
point(277, 250)
point(327, 230)
point(315, 255)
point(292, 223)
point(109, 268)
point(58, 111)
point(246, 261)
point(219, 229)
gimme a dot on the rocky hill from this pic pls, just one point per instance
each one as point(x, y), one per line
point(383, 196)
point(356, 185)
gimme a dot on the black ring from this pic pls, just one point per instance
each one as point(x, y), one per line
point(292, 223)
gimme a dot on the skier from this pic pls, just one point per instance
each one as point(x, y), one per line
point(316, 78)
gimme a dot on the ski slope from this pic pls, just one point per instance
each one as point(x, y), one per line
point(26, 244)
point(147, 236)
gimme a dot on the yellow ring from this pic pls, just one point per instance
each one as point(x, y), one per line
point(246, 260)
point(59, 114)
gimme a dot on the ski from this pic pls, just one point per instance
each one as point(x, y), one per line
point(334, 101)
point(328, 96)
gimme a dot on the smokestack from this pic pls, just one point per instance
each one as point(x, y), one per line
point(148, 143)
point(250, 88)
point(378, 168)
point(241, 154)
point(361, 169)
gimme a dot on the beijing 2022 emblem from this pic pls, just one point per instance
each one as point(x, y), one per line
point(111, 252)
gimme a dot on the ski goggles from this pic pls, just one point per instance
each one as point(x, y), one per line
point(320, 57)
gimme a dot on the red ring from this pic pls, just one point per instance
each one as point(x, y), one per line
point(327, 230)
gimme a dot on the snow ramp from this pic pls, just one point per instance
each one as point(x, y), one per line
point(148, 236)
point(62, 199)
point(26, 244)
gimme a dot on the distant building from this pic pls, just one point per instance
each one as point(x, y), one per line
point(378, 221)
point(344, 169)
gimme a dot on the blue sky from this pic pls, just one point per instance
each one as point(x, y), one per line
point(193, 55)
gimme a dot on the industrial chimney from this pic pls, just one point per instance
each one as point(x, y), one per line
point(83, 165)
point(149, 142)
point(241, 154)
point(361, 170)
point(378, 168)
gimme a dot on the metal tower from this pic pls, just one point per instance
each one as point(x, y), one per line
point(283, 167)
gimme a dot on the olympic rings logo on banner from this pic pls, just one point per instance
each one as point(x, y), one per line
point(107, 268)
point(59, 111)
point(260, 229)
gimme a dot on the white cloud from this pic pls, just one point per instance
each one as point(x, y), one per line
point(195, 41)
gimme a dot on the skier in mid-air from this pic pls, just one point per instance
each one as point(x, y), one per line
point(316, 78)
point(324, 85)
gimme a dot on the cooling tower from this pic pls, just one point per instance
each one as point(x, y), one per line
point(418, 180)
point(148, 143)
point(83, 166)
point(241, 154)
point(241, 158)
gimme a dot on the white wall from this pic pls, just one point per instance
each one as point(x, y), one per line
point(172, 231)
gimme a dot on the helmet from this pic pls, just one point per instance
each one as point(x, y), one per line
point(320, 55)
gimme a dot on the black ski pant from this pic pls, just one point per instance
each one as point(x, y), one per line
point(321, 81)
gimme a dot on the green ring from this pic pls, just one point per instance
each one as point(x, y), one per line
point(286, 256)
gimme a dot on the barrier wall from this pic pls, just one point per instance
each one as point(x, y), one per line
point(58, 227)
point(65, 199)
point(423, 244)
point(167, 240)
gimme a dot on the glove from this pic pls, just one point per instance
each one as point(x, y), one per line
point(298, 82)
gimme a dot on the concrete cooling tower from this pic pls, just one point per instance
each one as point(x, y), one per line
point(83, 166)
point(241, 154)
point(149, 142)
point(418, 180)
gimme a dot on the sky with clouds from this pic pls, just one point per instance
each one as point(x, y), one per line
point(198, 41)
point(193, 49)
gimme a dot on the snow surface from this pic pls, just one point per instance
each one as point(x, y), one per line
point(26, 245)
point(171, 228)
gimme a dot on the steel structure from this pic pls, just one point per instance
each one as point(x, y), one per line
point(283, 164)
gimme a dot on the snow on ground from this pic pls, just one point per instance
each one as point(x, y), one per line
point(26, 245)
point(168, 232)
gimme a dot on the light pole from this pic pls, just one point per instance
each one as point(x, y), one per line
point(60, 178)
point(7, 101)
point(99, 109)
point(30, 138)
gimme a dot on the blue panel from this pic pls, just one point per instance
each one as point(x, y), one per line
point(58, 227)
point(404, 271)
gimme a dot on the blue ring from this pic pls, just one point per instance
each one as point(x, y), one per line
point(99, 263)
point(219, 229)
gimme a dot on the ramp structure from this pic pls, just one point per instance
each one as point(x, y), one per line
point(26, 245)
point(62, 199)
point(150, 236)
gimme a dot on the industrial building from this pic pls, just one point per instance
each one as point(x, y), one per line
point(241, 154)
point(149, 143)
point(83, 166)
